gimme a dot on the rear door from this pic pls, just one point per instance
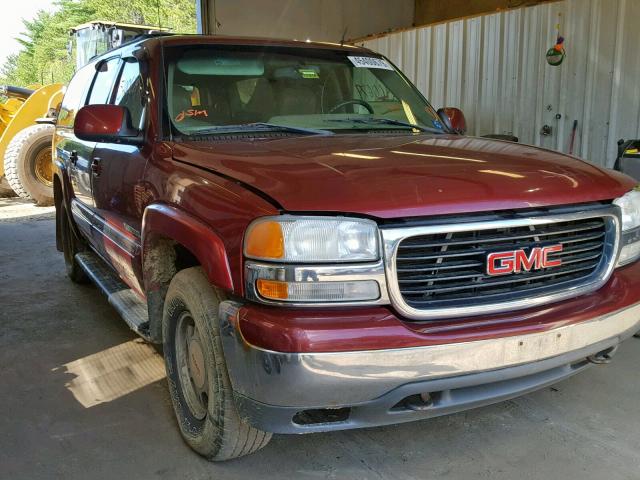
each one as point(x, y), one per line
point(69, 149)
point(92, 85)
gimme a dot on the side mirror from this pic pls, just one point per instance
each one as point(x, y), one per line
point(453, 118)
point(106, 123)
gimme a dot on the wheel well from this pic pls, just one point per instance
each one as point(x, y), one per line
point(184, 258)
point(162, 259)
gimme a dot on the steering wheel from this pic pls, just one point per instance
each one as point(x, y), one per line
point(355, 101)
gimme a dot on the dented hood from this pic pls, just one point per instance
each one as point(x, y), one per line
point(406, 175)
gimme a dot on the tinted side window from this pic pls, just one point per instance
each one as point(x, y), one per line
point(75, 95)
point(103, 83)
point(129, 91)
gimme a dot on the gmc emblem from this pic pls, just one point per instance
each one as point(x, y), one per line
point(516, 261)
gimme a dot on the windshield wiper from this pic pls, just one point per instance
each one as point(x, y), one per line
point(386, 121)
point(261, 127)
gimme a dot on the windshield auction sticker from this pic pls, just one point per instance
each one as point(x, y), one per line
point(370, 62)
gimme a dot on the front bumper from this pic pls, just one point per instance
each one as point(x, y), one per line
point(377, 387)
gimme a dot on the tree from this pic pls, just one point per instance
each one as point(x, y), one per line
point(44, 56)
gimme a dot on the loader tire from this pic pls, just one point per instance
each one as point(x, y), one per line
point(5, 189)
point(28, 164)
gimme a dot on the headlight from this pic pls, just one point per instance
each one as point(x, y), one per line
point(314, 260)
point(630, 208)
point(292, 239)
point(629, 204)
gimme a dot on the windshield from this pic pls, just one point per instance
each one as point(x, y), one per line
point(224, 89)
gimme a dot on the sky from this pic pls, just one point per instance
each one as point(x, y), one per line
point(12, 22)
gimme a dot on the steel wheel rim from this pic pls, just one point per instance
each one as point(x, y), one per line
point(191, 363)
point(43, 167)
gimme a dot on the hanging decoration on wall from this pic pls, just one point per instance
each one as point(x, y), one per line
point(556, 54)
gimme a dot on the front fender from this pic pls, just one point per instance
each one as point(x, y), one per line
point(167, 222)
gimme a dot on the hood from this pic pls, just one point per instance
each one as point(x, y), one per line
point(390, 176)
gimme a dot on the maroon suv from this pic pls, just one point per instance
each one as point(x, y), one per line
point(318, 249)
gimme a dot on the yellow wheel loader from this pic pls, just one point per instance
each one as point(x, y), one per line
point(25, 144)
point(27, 115)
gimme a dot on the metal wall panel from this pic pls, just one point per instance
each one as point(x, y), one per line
point(494, 68)
point(320, 20)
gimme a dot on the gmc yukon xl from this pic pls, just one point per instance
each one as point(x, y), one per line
point(317, 248)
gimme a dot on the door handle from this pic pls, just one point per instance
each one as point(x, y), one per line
point(73, 158)
point(96, 168)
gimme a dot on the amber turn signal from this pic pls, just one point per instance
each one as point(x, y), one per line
point(265, 240)
point(272, 289)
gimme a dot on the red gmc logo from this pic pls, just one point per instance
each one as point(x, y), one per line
point(515, 261)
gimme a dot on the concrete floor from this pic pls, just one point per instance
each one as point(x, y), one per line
point(66, 413)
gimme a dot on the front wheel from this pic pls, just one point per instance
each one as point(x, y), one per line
point(199, 384)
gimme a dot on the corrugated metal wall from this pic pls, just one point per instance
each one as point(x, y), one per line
point(493, 67)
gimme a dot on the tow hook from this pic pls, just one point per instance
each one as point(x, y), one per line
point(420, 402)
point(605, 356)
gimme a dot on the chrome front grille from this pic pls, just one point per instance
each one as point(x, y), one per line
point(441, 270)
point(446, 268)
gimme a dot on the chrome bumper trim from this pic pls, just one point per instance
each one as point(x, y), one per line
point(450, 395)
point(392, 237)
point(321, 380)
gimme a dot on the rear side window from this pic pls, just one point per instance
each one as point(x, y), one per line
point(75, 95)
point(129, 91)
point(103, 83)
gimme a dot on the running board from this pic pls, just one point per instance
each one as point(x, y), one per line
point(129, 305)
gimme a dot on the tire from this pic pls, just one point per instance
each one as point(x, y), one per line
point(5, 189)
point(200, 389)
point(28, 165)
point(70, 246)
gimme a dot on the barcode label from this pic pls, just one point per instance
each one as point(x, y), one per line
point(370, 62)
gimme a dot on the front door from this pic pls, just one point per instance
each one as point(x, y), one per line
point(82, 162)
point(117, 183)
